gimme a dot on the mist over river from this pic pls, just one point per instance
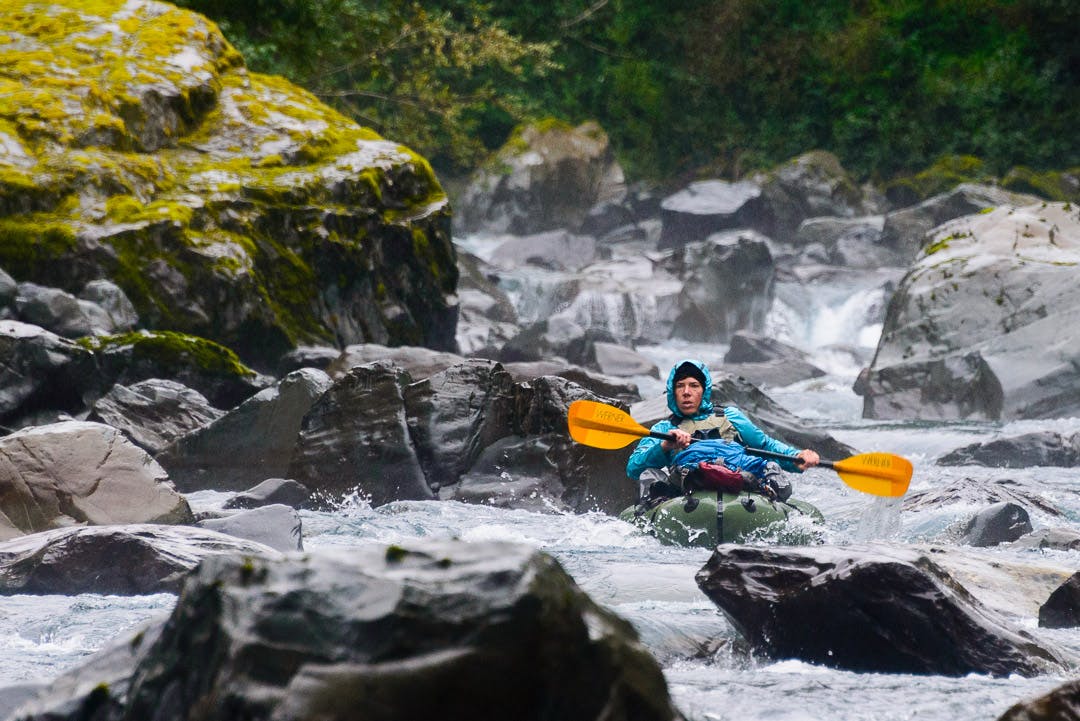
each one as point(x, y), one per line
point(709, 672)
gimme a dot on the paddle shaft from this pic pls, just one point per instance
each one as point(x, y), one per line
point(783, 456)
point(760, 452)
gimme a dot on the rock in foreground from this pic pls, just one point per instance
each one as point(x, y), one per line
point(447, 630)
point(866, 609)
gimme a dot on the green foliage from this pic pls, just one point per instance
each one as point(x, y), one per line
point(732, 85)
point(438, 77)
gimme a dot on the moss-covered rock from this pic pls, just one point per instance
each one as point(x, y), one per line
point(209, 367)
point(226, 204)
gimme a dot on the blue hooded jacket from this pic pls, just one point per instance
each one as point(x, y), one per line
point(650, 454)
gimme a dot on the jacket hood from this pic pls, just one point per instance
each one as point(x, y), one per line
point(706, 407)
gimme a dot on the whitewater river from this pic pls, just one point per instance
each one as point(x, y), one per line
point(653, 586)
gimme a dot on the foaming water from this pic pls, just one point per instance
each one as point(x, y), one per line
point(711, 675)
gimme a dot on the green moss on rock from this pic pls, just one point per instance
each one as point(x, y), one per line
point(173, 351)
point(262, 220)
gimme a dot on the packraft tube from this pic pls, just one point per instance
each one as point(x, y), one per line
point(708, 518)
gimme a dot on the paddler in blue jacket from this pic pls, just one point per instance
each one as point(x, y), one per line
point(693, 416)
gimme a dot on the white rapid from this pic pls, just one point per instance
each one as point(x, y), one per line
point(712, 679)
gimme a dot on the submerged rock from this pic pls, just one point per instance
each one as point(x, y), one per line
point(479, 631)
point(130, 560)
point(1041, 448)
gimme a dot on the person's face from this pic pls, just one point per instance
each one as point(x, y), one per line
point(688, 392)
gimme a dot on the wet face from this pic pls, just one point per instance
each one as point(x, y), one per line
point(688, 393)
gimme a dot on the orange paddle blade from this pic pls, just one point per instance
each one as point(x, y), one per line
point(602, 426)
point(881, 474)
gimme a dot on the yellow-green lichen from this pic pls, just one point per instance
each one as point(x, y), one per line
point(170, 350)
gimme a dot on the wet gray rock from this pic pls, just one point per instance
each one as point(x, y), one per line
point(1000, 523)
point(1061, 704)
point(271, 491)
point(706, 207)
point(250, 443)
point(596, 383)
point(155, 412)
point(1056, 539)
point(128, 560)
point(810, 185)
point(276, 525)
point(201, 364)
point(847, 242)
point(547, 176)
point(77, 472)
point(905, 230)
point(870, 609)
point(1040, 448)
point(1062, 609)
point(728, 286)
point(986, 323)
point(61, 312)
point(765, 361)
point(403, 632)
point(456, 413)
point(9, 288)
point(40, 370)
point(354, 439)
point(750, 347)
point(618, 361)
point(307, 356)
point(417, 362)
point(979, 492)
point(551, 250)
point(486, 316)
point(118, 308)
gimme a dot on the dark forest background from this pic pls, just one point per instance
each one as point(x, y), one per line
point(693, 86)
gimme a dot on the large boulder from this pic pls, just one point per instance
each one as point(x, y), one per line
point(811, 185)
point(155, 412)
point(706, 207)
point(986, 323)
point(128, 560)
point(728, 286)
point(40, 370)
point(548, 175)
point(225, 204)
point(385, 437)
point(905, 230)
point(355, 440)
point(250, 443)
point(448, 630)
point(210, 368)
point(79, 472)
point(867, 609)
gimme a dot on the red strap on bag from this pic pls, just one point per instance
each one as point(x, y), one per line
point(718, 477)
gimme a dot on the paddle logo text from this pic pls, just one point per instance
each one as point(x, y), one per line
point(605, 415)
point(878, 460)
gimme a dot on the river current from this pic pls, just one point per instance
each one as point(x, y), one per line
point(710, 676)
